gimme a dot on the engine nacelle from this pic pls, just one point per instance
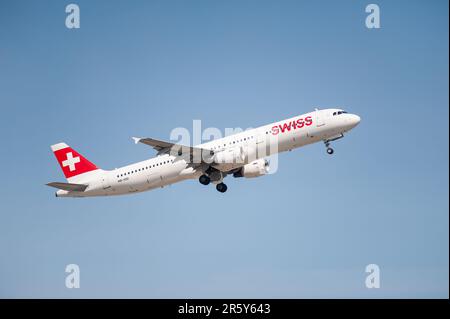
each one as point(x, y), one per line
point(254, 169)
point(230, 156)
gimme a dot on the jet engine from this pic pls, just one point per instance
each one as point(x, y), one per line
point(254, 169)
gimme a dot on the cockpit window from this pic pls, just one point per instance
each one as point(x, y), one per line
point(339, 113)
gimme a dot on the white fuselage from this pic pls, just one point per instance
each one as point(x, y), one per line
point(165, 169)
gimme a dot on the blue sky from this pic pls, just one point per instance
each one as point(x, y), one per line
point(142, 68)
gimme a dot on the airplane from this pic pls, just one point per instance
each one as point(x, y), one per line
point(241, 155)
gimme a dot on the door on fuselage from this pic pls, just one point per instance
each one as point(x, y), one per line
point(320, 120)
point(263, 144)
point(318, 124)
point(154, 179)
point(106, 184)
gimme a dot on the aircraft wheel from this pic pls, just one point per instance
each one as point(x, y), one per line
point(221, 187)
point(204, 180)
point(330, 150)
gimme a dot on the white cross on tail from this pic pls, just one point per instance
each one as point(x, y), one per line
point(71, 161)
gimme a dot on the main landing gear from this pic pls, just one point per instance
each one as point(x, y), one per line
point(221, 187)
point(206, 180)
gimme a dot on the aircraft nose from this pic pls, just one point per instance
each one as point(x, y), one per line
point(355, 119)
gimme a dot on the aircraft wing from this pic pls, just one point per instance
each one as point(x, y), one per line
point(174, 149)
point(68, 186)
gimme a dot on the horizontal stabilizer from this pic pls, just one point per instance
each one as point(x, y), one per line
point(68, 186)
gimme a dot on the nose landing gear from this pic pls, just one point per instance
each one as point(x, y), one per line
point(327, 145)
point(327, 142)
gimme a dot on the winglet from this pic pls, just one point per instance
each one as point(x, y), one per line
point(136, 139)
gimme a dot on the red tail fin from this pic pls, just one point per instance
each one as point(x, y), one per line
point(72, 163)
